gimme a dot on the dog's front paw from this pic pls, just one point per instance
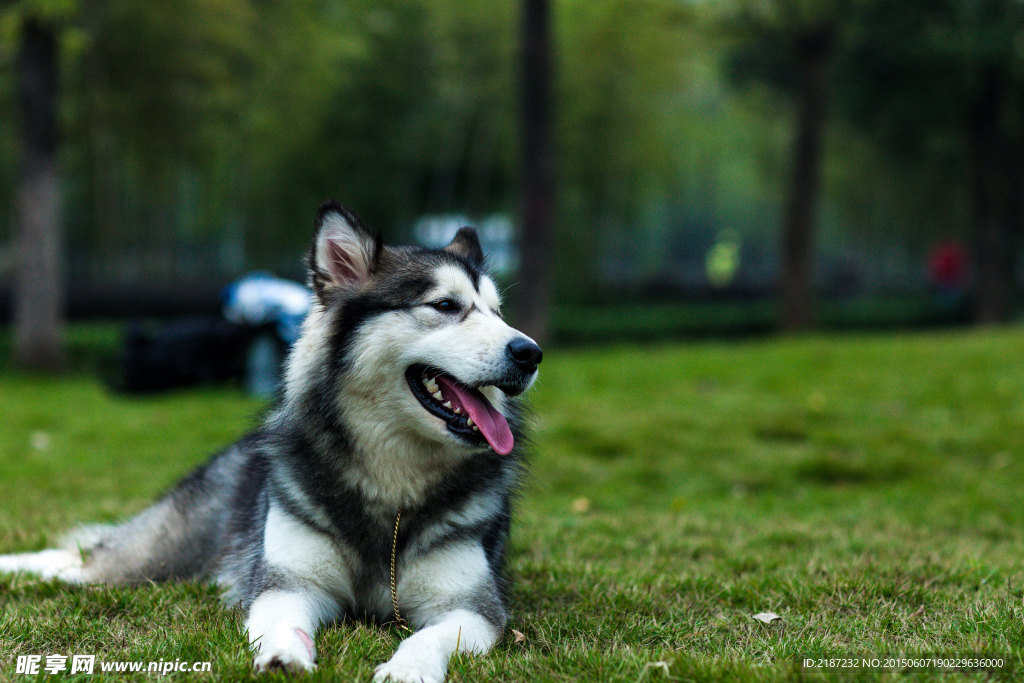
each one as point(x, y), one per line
point(408, 670)
point(289, 649)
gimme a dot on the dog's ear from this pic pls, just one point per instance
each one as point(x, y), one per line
point(467, 245)
point(344, 253)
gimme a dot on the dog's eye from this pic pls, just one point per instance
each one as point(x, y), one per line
point(446, 306)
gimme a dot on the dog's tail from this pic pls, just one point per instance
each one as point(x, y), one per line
point(178, 537)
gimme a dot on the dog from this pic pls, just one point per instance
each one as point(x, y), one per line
point(379, 488)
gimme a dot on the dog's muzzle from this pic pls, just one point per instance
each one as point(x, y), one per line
point(467, 412)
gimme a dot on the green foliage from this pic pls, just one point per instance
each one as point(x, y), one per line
point(194, 122)
point(14, 13)
point(919, 74)
point(913, 83)
point(771, 34)
point(219, 126)
point(158, 83)
point(621, 67)
point(426, 104)
point(188, 111)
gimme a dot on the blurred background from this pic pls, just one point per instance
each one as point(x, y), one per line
point(638, 169)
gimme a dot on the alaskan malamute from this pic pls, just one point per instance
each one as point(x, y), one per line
point(381, 486)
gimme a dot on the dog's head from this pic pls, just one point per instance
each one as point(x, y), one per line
point(413, 337)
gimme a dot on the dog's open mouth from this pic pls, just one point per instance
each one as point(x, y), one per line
point(466, 411)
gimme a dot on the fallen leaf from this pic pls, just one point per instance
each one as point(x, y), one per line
point(519, 637)
point(581, 506)
point(40, 441)
point(767, 617)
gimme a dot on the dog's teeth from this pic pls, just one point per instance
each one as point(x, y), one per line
point(432, 387)
point(457, 410)
point(469, 421)
point(447, 404)
point(475, 428)
point(437, 395)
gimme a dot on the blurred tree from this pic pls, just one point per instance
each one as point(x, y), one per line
point(792, 44)
point(537, 170)
point(158, 94)
point(291, 154)
point(424, 119)
point(165, 78)
point(195, 124)
point(942, 81)
point(630, 105)
point(420, 122)
point(38, 285)
point(182, 119)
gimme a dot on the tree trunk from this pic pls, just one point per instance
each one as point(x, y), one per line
point(993, 264)
point(814, 52)
point(533, 293)
point(1014, 212)
point(38, 325)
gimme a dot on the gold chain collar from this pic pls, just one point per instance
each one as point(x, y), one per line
point(394, 585)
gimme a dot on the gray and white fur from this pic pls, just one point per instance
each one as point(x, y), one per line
point(295, 521)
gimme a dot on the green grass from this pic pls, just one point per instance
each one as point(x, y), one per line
point(868, 489)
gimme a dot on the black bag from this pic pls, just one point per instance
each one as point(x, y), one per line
point(183, 353)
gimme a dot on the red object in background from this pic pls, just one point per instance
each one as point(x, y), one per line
point(947, 265)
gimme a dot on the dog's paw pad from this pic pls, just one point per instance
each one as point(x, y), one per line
point(282, 661)
point(393, 672)
point(289, 650)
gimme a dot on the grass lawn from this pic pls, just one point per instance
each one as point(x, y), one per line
point(868, 489)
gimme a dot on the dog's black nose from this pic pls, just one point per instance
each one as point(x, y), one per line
point(525, 354)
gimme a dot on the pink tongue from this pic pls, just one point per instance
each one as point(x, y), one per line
point(492, 424)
